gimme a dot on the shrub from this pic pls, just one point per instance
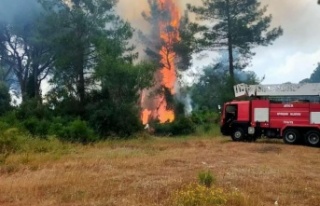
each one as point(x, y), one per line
point(5, 98)
point(181, 126)
point(42, 128)
point(205, 116)
point(4, 126)
point(77, 131)
point(206, 178)
point(199, 195)
point(32, 108)
point(9, 141)
point(163, 129)
point(10, 118)
point(109, 119)
point(204, 194)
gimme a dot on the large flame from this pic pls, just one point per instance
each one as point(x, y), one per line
point(158, 108)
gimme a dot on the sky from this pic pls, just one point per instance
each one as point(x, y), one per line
point(291, 58)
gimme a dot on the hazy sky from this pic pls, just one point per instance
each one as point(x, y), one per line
point(292, 57)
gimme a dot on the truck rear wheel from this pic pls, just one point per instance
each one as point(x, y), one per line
point(313, 138)
point(238, 134)
point(291, 136)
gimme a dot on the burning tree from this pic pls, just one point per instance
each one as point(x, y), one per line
point(157, 102)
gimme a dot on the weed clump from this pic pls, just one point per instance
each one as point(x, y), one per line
point(199, 195)
point(205, 193)
point(206, 178)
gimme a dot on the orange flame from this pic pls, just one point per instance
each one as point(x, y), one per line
point(166, 76)
point(169, 34)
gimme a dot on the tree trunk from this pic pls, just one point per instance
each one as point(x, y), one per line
point(80, 79)
point(230, 49)
point(81, 84)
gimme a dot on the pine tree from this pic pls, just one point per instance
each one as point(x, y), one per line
point(236, 26)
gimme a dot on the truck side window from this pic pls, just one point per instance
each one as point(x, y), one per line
point(231, 112)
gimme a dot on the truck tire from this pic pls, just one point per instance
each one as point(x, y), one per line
point(313, 138)
point(238, 134)
point(291, 136)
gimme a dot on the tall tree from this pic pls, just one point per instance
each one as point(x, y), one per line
point(236, 26)
point(185, 46)
point(23, 49)
point(81, 27)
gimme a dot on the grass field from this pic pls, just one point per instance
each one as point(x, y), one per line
point(148, 171)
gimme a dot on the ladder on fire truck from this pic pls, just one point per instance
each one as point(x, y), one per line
point(277, 90)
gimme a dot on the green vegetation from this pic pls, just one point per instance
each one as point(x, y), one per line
point(206, 178)
point(199, 195)
point(206, 193)
point(84, 51)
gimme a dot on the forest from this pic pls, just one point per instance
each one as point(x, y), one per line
point(100, 107)
point(73, 69)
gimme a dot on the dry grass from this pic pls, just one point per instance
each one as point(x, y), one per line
point(147, 172)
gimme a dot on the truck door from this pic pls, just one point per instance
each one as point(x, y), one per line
point(230, 115)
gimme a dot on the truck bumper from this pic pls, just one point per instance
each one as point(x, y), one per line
point(225, 130)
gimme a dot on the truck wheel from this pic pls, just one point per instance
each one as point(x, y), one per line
point(313, 138)
point(291, 136)
point(238, 134)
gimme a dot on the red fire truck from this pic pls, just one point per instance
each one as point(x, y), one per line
point(288, 111)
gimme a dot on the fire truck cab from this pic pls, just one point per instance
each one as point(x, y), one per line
point(293, 115)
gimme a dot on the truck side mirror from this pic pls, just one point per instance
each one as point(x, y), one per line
point(219, 108)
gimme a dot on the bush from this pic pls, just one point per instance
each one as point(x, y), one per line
point(42, 129)
point(10, 141)
point(204, 194)
point(206, 178)
point(10, 118)
point(77, 131)
point(32, 108)
point(181, 126)
point(5, 98)
point(205, 116)
point(31, 125)
point(199, 195)
point(109, 119)
point(4, 126)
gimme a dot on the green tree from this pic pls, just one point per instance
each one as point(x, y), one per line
point(234, 25)
point(115, 108)
point(94, 75)
point(185, 46)
point(23, 48)
point(81, 28)
point(215, 86)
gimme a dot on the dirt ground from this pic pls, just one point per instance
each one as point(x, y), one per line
point(147, 172)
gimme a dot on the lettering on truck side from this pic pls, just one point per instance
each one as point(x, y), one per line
point(288, 122)
point(288, 105)
point(282, 114)
point(295, 114)
point(288, 114)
